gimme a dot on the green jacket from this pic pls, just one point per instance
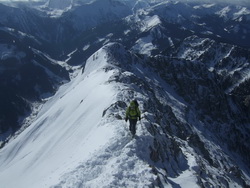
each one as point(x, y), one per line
point(133, 111)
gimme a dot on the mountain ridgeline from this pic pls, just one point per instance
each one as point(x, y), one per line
point(187, 63)
point(207, 113)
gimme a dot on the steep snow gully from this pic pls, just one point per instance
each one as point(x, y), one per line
point(80, 138)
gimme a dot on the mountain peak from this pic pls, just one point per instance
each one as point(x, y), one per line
point(59, 4)
point(107, 55)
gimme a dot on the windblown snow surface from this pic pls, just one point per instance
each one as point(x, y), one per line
point(80, 138)
point(70, 144)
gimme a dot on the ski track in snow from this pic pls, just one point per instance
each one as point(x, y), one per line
point(118, 164)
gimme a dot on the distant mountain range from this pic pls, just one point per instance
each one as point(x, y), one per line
point(186, 62)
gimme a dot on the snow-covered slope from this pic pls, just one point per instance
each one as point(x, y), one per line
point(184, 62)
point(59, 4)
point(80, 138)
point(70, 130)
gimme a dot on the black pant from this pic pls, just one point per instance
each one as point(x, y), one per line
point(132, 125)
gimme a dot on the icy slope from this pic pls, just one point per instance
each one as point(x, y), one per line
point(69, 130)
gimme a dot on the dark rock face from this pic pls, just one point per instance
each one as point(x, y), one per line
point(219, 97)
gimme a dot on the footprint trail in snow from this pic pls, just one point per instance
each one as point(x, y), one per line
point(120, 163)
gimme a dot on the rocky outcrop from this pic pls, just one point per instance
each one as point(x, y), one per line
point(185, 106)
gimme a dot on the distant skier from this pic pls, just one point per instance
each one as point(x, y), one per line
point(133, 114)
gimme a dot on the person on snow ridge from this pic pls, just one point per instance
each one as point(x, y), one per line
point(133, 114)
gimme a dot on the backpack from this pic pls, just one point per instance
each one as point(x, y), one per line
point(136, 103)
point(133, 109)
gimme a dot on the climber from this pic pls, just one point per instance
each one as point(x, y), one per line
point(133, 114)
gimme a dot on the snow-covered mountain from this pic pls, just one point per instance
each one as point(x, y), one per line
point(80, 138)
point(62, 4)
point(87, 19)
point(187, 64)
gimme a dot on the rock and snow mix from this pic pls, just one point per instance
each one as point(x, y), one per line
point(80, 138)
point(70, 138)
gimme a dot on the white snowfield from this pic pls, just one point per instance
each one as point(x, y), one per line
point(70, 144)
point(76, 141)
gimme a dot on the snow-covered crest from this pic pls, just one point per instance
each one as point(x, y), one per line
point(70, 130)
point(182, 96)
point(80, 138)
point(110, 54)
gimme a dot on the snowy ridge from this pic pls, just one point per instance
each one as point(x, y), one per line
point(195, 49)
point(180, 60)
point(59, 4)
point(40, 143)
point(120, 163)
point(80, 138)
point(69, 130)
